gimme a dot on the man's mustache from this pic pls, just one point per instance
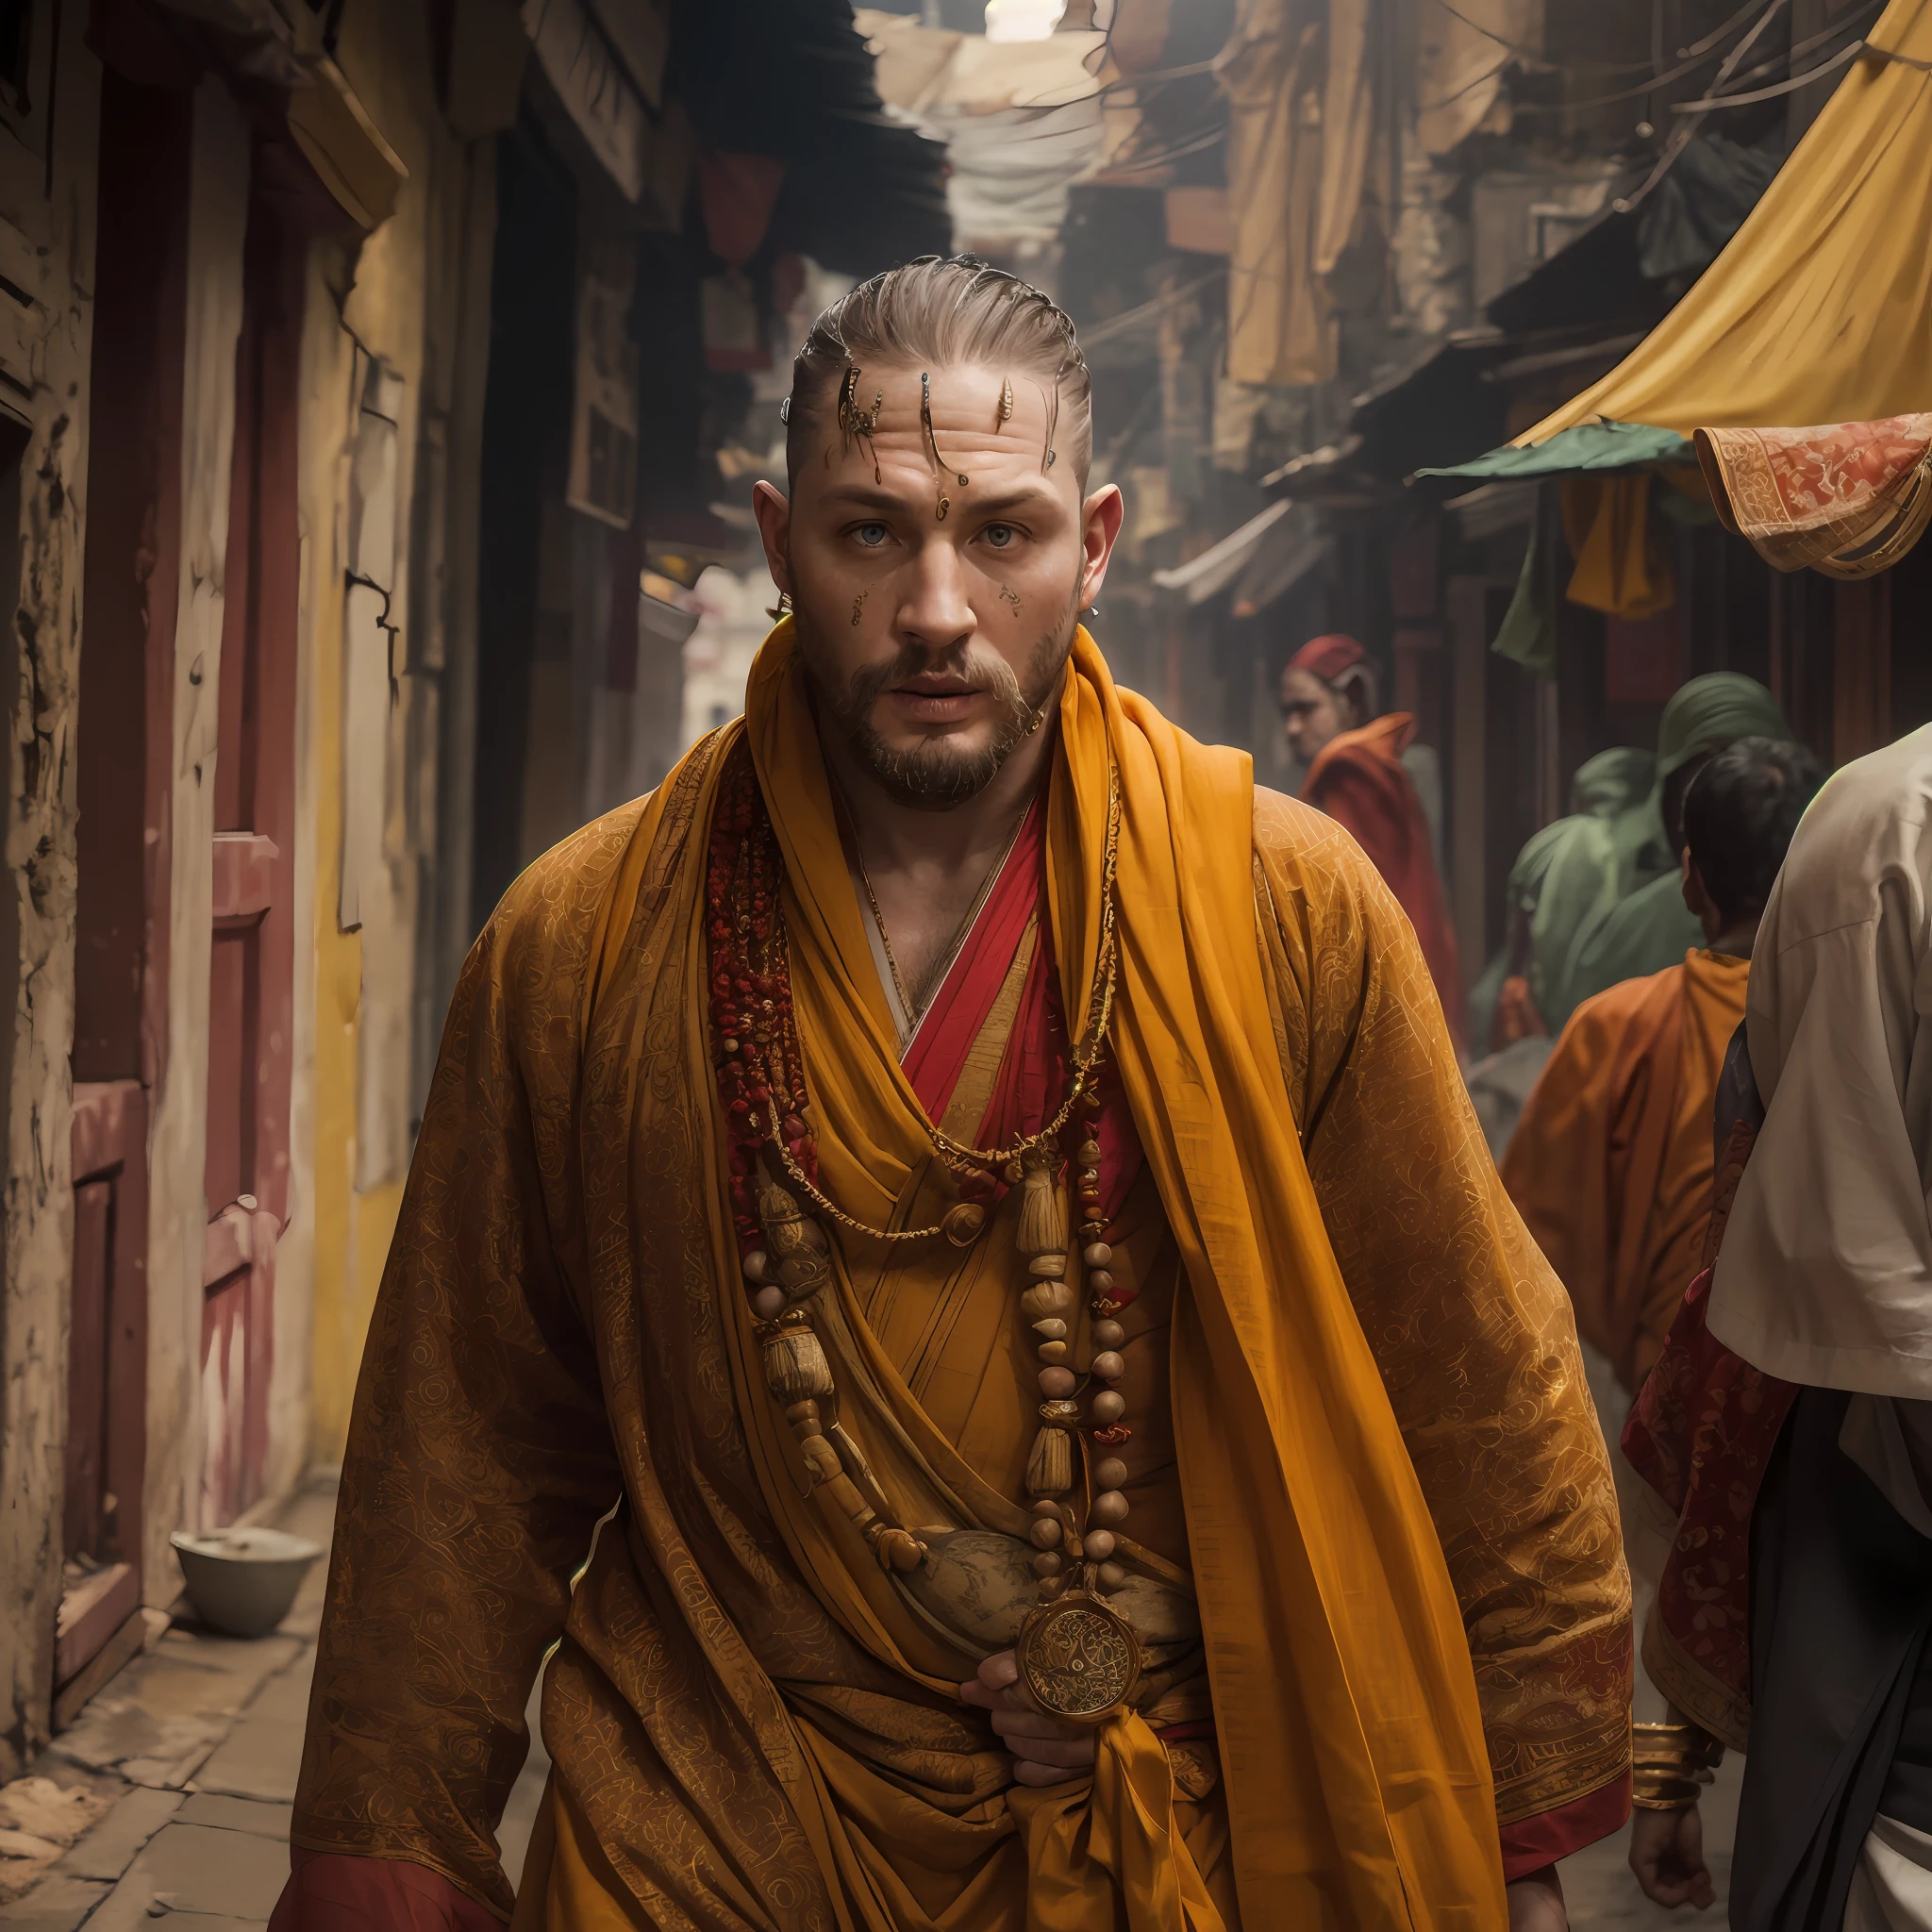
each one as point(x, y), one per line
point(984, 670)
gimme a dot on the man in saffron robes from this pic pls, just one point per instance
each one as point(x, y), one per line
point(1359, 776)
point(953, 1157)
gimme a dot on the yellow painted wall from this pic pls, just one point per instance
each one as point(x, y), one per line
point(385, 54)
point(352, 1229)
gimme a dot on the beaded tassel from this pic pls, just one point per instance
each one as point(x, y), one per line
point(784, 1252)
point(1047, 1302)
point(784, 1249)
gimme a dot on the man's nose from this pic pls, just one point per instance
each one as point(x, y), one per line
point(936, 610)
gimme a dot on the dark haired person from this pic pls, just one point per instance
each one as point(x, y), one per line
point(986, 1195)
point(1611, 1161)
point(1358, 776)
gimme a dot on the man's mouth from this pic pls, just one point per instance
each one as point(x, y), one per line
point(937, 698)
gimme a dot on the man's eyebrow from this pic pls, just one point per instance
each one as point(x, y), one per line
point(1027, 496)
point(865, 496)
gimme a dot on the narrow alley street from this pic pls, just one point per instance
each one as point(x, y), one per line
point(515, 520)
point(176, 1782)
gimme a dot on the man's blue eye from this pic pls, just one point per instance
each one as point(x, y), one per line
point(872, 534)
point(1000, 534)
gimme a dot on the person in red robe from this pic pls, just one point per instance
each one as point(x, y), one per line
point(1356, 775)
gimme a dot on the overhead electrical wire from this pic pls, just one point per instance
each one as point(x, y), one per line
point(1855, 50)
point(1679, 138)
point(1537, 57)
point(1692, 57)
point(1717, 34)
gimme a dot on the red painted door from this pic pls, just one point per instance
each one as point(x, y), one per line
point(122, 779)
point(106, 1369)
point(251, 1002)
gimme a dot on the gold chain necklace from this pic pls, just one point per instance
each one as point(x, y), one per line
point(913, 1015)
point(1084, 1057)
point(964, 930)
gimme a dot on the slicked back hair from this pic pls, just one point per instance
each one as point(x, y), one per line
point(942, 313)
point(1740, 813)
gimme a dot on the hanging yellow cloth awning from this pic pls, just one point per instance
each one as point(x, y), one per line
point(1820, 310)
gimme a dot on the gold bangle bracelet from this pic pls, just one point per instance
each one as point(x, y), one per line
point(1655, 1790)
point(1670, 1763)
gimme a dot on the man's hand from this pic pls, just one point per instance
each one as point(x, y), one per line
point(1045, 1750)
point(1536, 1903)
point(1667, 1854)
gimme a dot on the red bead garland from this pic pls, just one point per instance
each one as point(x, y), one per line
point(753, 1036)
point(757, 1060)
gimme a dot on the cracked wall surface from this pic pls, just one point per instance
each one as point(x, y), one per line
point(46, 236)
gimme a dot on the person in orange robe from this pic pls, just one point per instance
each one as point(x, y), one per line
point(956, 1153)
point(1611, 1162)
point(1357, 776)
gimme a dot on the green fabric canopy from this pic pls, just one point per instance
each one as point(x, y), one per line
point(1587, 447)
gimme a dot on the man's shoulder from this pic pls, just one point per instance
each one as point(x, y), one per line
point(1304, 849)
point(562, 888)
point(1629, 1003)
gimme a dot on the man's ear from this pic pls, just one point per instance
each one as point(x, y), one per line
point(774, 511)
point(1696, 895)
point(1100, 525)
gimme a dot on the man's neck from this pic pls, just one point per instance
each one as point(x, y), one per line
point(1736, 939)
point(926, 867)
point(896, 836)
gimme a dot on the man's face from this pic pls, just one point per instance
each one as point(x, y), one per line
point(1310, 713)
point(932, 642)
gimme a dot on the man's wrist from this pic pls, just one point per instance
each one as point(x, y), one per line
point(1670, 1763)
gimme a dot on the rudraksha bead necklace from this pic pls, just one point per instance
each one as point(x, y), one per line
point(786, 1254)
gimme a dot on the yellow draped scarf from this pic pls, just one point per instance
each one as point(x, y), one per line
point(1359, 1788)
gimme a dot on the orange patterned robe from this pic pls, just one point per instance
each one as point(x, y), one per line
point(1611, 1161)
point(1367, 1469)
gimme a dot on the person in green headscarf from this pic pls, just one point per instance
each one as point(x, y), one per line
point(1502, 1013)
point(1583, 939)
point(1611, 782)
point(1604, 788)
point(1652, 929)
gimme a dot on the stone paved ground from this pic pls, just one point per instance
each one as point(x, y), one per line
point(194, 1750)
point(196, 1747)
point(1604, 1896)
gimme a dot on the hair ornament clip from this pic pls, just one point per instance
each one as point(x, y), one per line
point(1007, 400)
point(856, 424)
point(1053, 421)
point(932, 443)
point(785, 412)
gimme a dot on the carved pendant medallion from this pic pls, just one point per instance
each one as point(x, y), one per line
point(1078, 1658)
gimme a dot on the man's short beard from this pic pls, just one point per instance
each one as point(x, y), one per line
point(935, 775)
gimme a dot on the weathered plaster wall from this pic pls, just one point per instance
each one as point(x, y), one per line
point(326, 1085)
point(411, 309)
point(177, 1139)
point(47, 238)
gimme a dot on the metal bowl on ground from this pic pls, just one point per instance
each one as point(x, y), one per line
point(244, 1581)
